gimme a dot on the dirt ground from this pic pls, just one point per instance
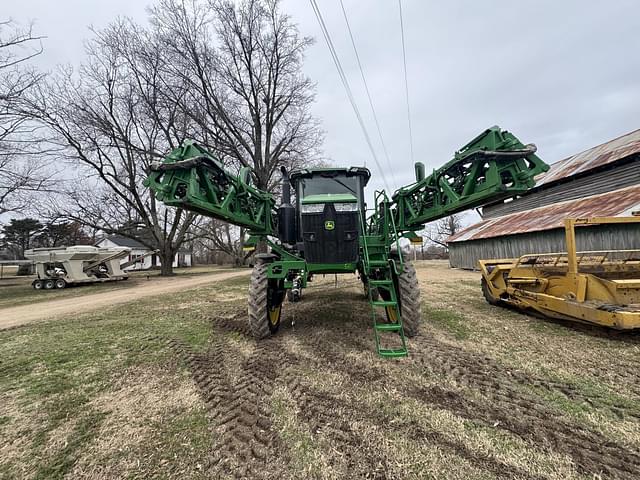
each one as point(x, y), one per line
point(23, 314)
point(485, 393)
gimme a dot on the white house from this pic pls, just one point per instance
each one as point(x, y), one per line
point(182, 258)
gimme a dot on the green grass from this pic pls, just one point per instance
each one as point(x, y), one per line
point(451, 321)
point(306, 453)
point(52, 373)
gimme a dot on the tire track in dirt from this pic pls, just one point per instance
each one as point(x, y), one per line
point(525, 415)
point(320, 408)
point(238, 389)
point(503, 387)
point(237, 393)
point(481, 371)
point(592, 453)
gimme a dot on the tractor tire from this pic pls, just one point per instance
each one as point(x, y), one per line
point(60, 283)
point(37, 285)
point(409, 296)
point(48, 284)
point(265, 303)
point(486, 293)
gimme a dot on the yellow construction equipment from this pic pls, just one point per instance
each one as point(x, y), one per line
point(596, 287)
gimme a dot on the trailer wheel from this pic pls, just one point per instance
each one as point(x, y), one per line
point(409, 296)
point(48, 284)
point(265, 303)
point(60, 283)
point(486, 293)
point(37, 284)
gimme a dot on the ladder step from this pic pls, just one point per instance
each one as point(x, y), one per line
point(384, 303)
point(380, 282)
point(390, 352)
point(388, 327)
point(374, 241)
point(378, 263)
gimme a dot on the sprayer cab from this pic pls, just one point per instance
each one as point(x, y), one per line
point(324, 225)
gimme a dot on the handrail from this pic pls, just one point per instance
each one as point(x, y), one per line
point(395, 235)
point(583, 254)
point(364, 243)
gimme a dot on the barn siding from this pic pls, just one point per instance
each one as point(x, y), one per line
point(610, 179)
point(466, 254)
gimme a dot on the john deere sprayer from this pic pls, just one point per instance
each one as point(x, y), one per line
point(330, 229)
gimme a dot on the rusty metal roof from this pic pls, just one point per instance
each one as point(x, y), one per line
point(611, 204)
point(595, 157)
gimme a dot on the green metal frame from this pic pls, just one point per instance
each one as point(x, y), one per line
point(191, 178)
point(493, 166)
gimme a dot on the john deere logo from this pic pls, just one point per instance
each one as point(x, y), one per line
point(329, 225)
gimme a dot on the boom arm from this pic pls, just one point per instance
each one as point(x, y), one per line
point(493, 166)
point(191, 178)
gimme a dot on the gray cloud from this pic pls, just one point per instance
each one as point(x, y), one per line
point(564, 75)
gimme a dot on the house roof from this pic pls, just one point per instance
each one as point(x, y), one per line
point(595, 157)
point(125, 242)
point(611, 204)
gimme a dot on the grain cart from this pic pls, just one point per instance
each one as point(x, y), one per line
point(597, 287)
point(59, 267)
point(329, 228)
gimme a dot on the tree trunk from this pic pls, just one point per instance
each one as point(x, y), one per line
point(240, 253)
point(166, 262)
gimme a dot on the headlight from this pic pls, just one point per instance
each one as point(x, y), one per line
point(346, 207)
point(312, 208)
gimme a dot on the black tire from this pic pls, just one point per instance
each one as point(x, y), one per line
point(49, 284)
point(37, 285)
point(265, 303)
point(409, 296)
point(60, 283)
point(486, 293)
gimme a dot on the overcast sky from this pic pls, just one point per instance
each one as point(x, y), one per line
point(564, 75)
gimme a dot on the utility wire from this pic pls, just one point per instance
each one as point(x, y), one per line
point(345, 83)
point(366, 88)
point(406, 83)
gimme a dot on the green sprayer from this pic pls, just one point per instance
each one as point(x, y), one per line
point(329, 229)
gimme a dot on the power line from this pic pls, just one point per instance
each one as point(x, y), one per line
point(345, 83)
point(366, 87)
point(406, 83)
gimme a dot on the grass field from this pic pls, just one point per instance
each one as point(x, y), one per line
point(173, 387)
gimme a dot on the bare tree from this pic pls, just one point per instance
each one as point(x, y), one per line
point(247, 93)
point(110, 120)
point(143, 91)
point(20, 171)
point(218, 236)
point(437, 232)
